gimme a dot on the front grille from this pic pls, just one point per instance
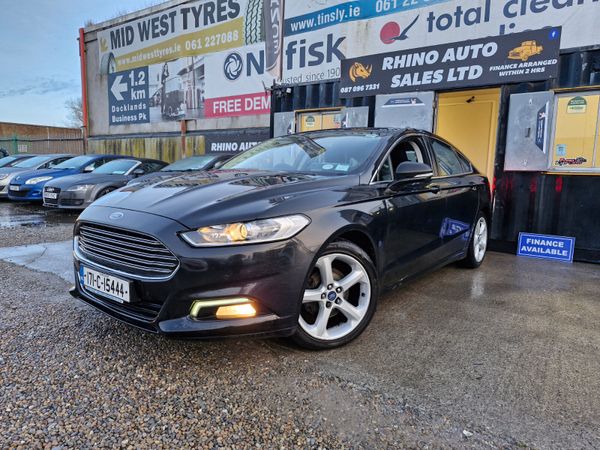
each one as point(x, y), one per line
point(18, 193)
point(127, 251)
point(53, 190)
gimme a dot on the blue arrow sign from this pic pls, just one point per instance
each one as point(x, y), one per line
point(128, 97)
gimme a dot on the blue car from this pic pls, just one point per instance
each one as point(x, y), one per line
point(28, 186)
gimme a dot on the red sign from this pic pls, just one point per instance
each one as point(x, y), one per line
point(238, 105)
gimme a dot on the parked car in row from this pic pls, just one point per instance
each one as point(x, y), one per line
point(184, 166)
point(294, 237)
point(36, 162)
point(11, 160)
point(79, 191)
point(28, 186)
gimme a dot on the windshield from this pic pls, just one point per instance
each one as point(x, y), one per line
point(192, 163)
point(7, 161)
point(75, 163)
point(117, 167)
point(32, 162)
point(327, 154)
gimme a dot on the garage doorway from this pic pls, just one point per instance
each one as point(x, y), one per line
point(469, 121)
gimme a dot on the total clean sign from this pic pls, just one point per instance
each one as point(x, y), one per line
point(546, 247)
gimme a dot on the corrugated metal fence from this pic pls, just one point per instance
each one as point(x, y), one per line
point(17, 138)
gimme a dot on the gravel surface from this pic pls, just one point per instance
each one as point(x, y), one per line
point(73, 378)
point(503, 357)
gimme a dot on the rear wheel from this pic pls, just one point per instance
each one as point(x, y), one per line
point(478, 245)
point(340, 298)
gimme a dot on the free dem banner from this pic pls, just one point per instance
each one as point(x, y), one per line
point(319, 34)
point(157, 66)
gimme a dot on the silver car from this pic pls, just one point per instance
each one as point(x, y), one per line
point(30, 163)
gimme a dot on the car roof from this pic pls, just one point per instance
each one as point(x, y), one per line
point(383, 132)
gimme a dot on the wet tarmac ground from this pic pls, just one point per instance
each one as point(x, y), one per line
point(506, 356)
point(15, 214)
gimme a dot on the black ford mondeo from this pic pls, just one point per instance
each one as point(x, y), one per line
point(295, 237)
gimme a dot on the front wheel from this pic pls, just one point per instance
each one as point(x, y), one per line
point(340, 298)
point(104, 192)
point(478, 245)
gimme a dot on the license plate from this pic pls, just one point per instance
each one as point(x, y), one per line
point(51, 195)
point(112, 287)
point(14, 188)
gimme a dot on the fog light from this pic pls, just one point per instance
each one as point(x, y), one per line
point(223, 309)
point(236, 312)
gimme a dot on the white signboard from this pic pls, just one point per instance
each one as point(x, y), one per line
point(236, 82)
point(318, 34)
point(189, 29)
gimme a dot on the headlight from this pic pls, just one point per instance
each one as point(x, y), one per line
point(38, 180)
point(3, 176)
point(258, 231)
point(80, 187)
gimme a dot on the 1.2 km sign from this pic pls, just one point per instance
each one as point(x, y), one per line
point(128, 97)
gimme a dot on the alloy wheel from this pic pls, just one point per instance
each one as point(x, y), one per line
point(480, 239)
point(337, 298)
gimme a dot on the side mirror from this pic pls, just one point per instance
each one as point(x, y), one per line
point(138, 172)
point(88, 169)
point(412, 171)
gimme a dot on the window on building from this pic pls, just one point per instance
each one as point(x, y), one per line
point(576, 133)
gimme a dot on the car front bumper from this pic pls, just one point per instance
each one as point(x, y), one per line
point(272, 276)
point(69, 200)
point(26, 193)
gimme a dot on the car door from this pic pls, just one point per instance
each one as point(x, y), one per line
point(416, 212)
point(458, 184)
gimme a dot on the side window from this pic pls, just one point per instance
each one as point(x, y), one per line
point(408, 150)
point(56, 162)
point(468, 167)
point(95, 164)
point(447, 159)
point(149, 167)
point(385, 171)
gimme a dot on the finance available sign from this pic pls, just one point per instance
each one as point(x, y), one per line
point(513, 58)
point(556, 248)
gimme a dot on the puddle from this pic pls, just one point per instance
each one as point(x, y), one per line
point(13, 215)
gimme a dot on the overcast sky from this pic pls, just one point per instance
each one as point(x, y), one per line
point(39, 68)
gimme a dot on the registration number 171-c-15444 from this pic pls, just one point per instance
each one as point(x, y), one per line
point(106, 285)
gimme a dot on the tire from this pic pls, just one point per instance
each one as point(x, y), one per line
point(104, 192)
point(253, 24)
point(478, 243)
point(332, 314)
point(108, 64)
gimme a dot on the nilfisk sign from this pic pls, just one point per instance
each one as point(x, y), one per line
point(519, 57)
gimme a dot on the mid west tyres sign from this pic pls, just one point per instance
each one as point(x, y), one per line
point(202, 59)
point(517, 57)
point(319, 35)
